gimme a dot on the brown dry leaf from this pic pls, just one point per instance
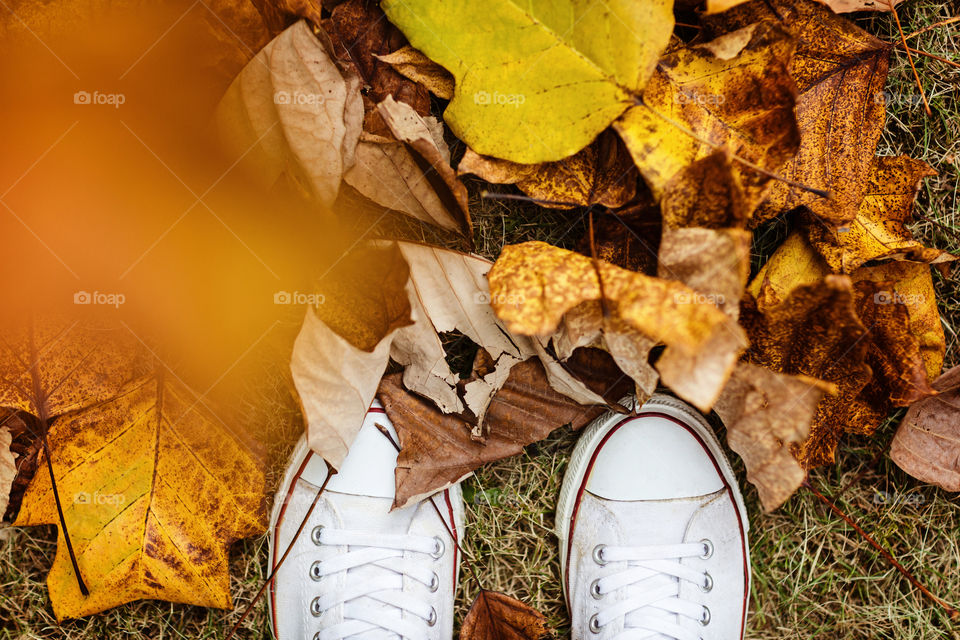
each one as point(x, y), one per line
point(927, 442)
point(280, 14)
point(734, 92)
point(438, 450)
point(628, 238)
point(766, 414)
point(412, 64)
point(8, 468)
point(336, 383)
point(293, 114)
point(840, 71)
point(879, 229)
point(534, 287)
point(155, 490)
point(710, 195)
point(497, 616)
point(839, 6)
point(25, 447)
point(602, 173)
point(815, 332)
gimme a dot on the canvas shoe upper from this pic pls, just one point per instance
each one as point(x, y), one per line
point(358, 569)
point(653, 530)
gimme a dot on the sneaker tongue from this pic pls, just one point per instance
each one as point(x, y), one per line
point(369, 469)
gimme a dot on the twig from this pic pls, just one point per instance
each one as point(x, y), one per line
point(932, 26)
point(953, 613)
point(934, 56)
point(488, 195)
point(273, 573)
point(916, 76)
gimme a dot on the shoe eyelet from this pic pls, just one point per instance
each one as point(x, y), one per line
point(594, 624)
point(598, 554)
point(707, 585)
point(315, 571)
point(316, 533)
point(595, 589)
point(316, 636)
point(432, 620)
point(707, 549)
point(434, 583)
point(315, 607)
point(439, 549)
point(705, 617)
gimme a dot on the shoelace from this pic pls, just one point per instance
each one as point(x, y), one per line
point(364, 598)
point(652, 582)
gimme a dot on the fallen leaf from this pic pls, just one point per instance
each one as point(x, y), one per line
point(733, 92)
point(412, 64)
point(766, 414)
point(815, 332)
point(544, 82)
point(154, 491)
point(602, 173)
point(292, 114)
point(497, 616)
point(838, 6)
point(336, 382)
point(438, 450)
point(840, 71)
point(8, 468)
point(708, 193)
point(280, 14)
point(879, 229)
point(628, 238)
point(534, 286)
point(25, 446)
point(927, 442)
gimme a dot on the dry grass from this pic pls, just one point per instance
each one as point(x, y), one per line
point(814, 577)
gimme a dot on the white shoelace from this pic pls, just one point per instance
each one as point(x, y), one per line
point(652, 583)
point(381, 583)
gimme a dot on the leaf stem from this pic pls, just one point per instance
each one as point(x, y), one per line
point(953, 613)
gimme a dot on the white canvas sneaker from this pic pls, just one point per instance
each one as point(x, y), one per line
point(653, 531)
point(359, 570)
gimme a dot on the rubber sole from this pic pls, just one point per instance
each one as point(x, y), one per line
point(595, 433)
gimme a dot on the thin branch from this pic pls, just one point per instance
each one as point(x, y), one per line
point(935, 25)
point(953, 613)
point(934, 56)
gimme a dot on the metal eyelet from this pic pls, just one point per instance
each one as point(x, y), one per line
point(707, 549)
point(315, 571)
point(434, 583)
point(315, 607)
point(439, 549)
point(598, 554)
point(316, 533)
point(594, 624)
point(595, 589)
point(705, 618)
point(316, 636)
point(707, 584)
point(432, 620)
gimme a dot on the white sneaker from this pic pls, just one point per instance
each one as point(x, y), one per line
point(359, 570)
point(653, 531)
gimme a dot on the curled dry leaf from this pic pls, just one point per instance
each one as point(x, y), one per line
point(927, 442)
point(689, 108)
point(438, 450)
point(535, 286)
point(879, 229)
point(155, 490)
point(602, 173)
point(293, 114)
point(412, 64)
point(840, 72)
point(766, 415)
point(25, 447)
point(497, 616)
point(556, 75)
point(8, 468)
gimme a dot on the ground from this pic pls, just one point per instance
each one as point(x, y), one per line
point(814, 576)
